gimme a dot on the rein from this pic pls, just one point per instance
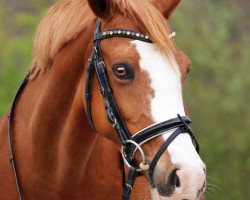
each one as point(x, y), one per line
point(10, 118)
point(129, 143)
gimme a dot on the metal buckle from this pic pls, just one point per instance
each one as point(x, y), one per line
point(141, 151)
point(101, 63)
point(131, 188)
point(115, 123)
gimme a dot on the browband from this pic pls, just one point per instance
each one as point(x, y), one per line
point(121, 33)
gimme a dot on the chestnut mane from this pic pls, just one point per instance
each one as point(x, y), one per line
point(68, 18)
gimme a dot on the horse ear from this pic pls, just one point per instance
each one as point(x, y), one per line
point(101, 8)
point(166, 7)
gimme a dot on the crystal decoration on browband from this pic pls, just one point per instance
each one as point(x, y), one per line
point(121, 32)
point(125, 33)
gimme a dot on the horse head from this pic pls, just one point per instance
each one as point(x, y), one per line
point(146, 80)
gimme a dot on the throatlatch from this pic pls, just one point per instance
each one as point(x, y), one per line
point(129, 143)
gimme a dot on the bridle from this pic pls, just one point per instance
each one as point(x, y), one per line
point(129, 143)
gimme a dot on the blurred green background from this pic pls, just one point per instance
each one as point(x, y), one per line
point(216, 37)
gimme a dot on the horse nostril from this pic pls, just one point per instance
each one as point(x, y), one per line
point(166, 187)
point(177, 181)
point(173, 180)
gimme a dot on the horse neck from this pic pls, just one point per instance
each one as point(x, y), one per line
point(53, 134)
point(58, 118)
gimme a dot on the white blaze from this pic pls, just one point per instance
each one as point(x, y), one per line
point(167, 101)
point(165, 81)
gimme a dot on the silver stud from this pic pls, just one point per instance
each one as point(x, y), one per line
point(104, 33)
point(111, 32)
point(146, 37)
point(115, 32)
point(123, 32)
point(133, 34)
point(119, 31)
point(137, 35)
point(172, 34)
point(128, 33)
point(142, 36)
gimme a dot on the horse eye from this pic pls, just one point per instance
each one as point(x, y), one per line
point(120, 72)
point(123, 71)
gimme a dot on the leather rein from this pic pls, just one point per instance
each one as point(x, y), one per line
point(130, 144)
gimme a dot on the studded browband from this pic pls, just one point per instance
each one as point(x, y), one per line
point(122, 33)
point(129, 143)
point(127, 34)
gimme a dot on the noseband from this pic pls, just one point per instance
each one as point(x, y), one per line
point(129, 143)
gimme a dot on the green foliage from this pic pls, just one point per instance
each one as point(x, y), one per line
point(215, 36)
point(217, 92)
point(17, 30)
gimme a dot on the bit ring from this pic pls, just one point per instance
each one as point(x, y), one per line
point(137, 147)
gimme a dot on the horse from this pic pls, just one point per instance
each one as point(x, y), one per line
point(96, 116)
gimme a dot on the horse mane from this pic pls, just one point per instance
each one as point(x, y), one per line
point(67, 19)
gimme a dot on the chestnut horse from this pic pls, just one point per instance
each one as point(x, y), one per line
point(58, 155)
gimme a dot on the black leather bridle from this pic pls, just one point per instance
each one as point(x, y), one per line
point(129, 143)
